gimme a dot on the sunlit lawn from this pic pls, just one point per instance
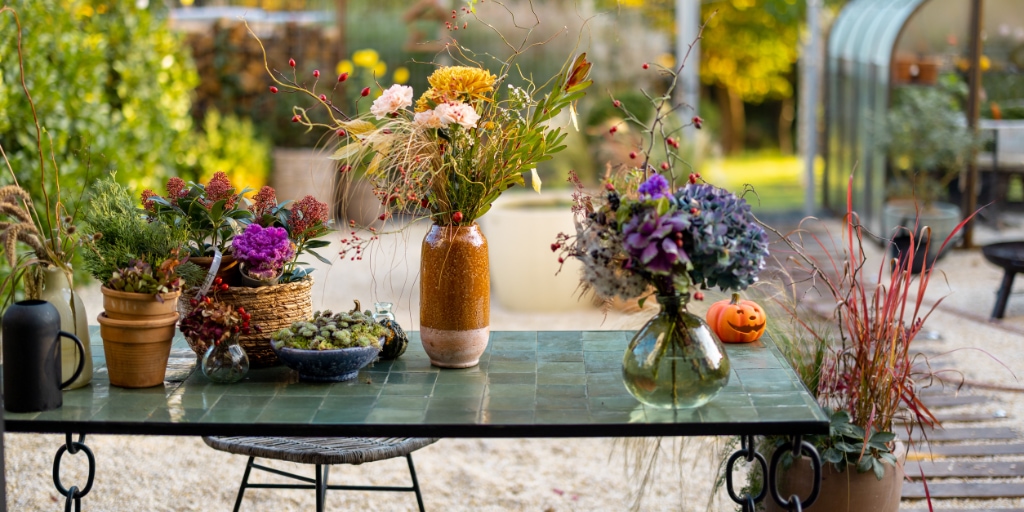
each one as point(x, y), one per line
point(778, 180)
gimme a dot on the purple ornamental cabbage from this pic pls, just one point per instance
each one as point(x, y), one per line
point(655, 241)
point(263, 250)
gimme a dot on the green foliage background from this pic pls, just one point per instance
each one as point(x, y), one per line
point(111, 83)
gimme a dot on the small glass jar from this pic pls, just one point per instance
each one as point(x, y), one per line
point(382, 311)
point(225, 362)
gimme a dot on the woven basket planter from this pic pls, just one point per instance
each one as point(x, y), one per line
point(272, 308)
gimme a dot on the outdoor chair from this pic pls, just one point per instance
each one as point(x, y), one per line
point(324, 452)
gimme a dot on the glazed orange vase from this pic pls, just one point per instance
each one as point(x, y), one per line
point(455, 296)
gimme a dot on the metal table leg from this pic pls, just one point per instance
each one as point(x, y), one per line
point(73, 494)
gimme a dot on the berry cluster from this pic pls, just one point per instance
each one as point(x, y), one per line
point(212, 321)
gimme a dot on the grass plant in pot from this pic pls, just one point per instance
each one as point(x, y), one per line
point(859, 365)
point(928, 147)
point(136, 260)
point(50, 232)
point(330, 347)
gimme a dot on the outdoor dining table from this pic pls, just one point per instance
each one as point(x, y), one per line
point(528, 384)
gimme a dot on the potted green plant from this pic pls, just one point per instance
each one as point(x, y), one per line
point(136, 261)
point(212, 214)
point(928, 146)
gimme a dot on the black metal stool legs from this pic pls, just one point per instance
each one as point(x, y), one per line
point(415, 482)
point(320, 484)
point(245, 481)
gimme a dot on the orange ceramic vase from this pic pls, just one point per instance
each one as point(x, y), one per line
point(455, 296)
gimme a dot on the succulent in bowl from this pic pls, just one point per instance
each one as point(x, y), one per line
point(330, 347)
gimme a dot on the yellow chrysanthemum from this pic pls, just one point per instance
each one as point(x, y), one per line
point(380, 69)
point(365, 58)
point(462, 82)
point(428, 100)
point(401, 75)
point(345, 66)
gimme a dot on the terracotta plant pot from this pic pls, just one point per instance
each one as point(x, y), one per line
point(228, 270)
point(455, 296)
point(136, 306)
point(848, 491)
point(137, 350)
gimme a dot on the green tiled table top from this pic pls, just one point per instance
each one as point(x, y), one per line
point(528, 384)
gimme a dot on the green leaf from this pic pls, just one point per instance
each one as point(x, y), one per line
point(316, 244)
point(662, 206)
point(883, 437)
point(877, 467)
point(847, 447)
point(832, 455)
point(640, 303)
point(865, 464)
point(319, 257)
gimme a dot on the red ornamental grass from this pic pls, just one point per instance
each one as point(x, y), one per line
point(871, 374)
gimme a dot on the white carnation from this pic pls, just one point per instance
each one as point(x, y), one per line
point(460, 113)
point(394, 99)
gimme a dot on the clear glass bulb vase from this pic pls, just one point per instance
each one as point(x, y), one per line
point(225, 362)
point(675, 360)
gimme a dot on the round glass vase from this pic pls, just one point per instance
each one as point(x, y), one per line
point(225, 362)
point(675, 360)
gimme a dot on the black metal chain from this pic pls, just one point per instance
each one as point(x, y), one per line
point(797, 447)
point(73, 494)
point(748, 450)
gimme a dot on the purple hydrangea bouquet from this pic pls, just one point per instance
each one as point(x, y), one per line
point(645, 236)
point(653, 240)
point(263, 252)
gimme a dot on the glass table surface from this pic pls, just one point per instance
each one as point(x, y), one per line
point(528, 384)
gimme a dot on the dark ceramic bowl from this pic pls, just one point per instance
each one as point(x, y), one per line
point(327, 365)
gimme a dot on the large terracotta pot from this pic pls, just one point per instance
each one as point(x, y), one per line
point(136, 306)
point(455, 296)
point(848, 491)
point(137, 350)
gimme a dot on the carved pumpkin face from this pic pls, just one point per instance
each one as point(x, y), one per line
point(736, 321)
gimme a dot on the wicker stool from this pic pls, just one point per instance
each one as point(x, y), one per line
point(322, 451)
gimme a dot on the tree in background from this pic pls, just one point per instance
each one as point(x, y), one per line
point(748, 54)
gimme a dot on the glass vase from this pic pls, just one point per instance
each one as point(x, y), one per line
point(675, 360)
point(225, 362)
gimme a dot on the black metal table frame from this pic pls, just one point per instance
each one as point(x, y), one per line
point(663, 423)
point(747, 451)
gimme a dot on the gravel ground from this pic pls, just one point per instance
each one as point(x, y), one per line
point(181, 473)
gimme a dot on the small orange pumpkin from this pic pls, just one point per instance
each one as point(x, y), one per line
point(737, 321)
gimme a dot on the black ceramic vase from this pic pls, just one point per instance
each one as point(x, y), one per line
point(32, 357)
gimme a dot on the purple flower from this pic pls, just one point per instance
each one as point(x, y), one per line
point(655, 187)
point(656, 241)
point(263, 250)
